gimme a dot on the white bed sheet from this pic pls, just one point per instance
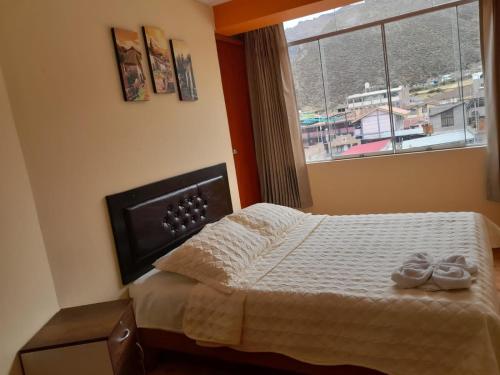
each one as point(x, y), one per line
point(160, 299)
point(324, 296)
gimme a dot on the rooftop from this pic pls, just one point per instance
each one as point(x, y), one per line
point(385, 108)
point(438, 139)
point(433, 111)
point(369, 93)
point(368, 148)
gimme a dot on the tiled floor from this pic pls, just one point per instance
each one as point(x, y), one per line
point(194, 366)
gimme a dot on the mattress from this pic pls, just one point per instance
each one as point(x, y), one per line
point(324, 296)
point(160, 299)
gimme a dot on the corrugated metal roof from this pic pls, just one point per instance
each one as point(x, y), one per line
point(367, 148)
point(434, 111)
point(438, 139)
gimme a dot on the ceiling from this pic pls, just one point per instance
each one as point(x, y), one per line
point(213, 2)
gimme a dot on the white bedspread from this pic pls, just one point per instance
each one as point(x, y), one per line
point(324, 296)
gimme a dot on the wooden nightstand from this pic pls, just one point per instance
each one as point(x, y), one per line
point(92, 339)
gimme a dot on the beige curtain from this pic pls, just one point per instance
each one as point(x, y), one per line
point(490, 30)
point(278, 144)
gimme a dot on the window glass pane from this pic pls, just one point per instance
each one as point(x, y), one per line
point(375, 10)
point(435, 72)
point(472, 71)
point(424, 59)
point(351, 15)
point(441, 2)
point(306, 68)
point(356, 93)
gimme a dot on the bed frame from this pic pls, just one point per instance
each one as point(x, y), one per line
point(150, 221)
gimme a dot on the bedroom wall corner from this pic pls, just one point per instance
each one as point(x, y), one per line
point(81, 141)
point(27, 293)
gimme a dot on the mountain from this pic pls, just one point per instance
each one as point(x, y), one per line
point(419, 48)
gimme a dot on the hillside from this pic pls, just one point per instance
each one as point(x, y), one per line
point(419, 49)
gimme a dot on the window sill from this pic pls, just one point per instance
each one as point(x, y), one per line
point(389, 155)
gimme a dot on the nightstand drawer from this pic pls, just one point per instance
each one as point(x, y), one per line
point(91, 358)
point(123, 345)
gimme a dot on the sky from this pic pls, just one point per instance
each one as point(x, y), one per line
point(293, 23)
point(158, 36)
point(127, 38)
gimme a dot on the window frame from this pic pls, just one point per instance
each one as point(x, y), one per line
point(384, 21)
point(389, 89)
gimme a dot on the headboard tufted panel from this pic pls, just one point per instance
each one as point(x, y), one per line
point(151, 220)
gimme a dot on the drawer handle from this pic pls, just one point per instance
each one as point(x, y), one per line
point(125, 335)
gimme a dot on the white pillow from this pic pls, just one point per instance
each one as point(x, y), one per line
point(268, 219)
point(217, 255)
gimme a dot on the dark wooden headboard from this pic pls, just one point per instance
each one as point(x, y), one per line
point(151, 220)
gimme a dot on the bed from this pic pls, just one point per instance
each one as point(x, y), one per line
point(317, 297)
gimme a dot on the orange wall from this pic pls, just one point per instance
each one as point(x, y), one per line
point(238, 16)
point(237, 97)
point(449, 180)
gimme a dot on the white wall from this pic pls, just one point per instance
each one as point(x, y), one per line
point(376, 125)
point(82, 141)
point(448, 180)
point(27, 294)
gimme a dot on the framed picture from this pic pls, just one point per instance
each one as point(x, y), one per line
point(184, 70)
point(159, 60)
point(129, 58)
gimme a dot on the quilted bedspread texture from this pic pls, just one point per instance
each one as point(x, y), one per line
point(323, 295)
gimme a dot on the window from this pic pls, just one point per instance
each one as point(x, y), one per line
point(447, 119)
point(368, 85)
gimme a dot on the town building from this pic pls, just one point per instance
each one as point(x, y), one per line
point(376, 123)
point(447, 117)
point(400, 97)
